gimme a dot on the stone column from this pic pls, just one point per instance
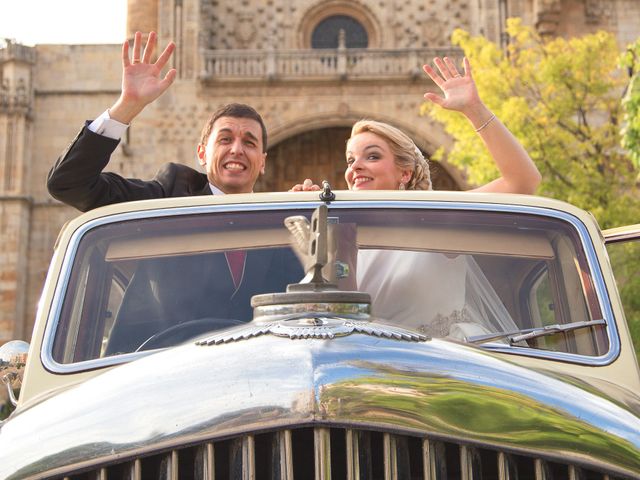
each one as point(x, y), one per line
point(142, 16)
point(16, 103)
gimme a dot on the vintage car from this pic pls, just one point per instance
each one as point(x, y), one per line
point(366, 335)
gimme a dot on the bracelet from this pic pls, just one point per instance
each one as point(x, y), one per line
point(485, 124)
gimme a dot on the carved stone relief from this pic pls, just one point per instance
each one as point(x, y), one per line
point(245, 30)
point(249, 24)
point(599, 11)
point(252, 24)
point(547, 14)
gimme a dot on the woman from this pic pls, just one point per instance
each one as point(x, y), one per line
point(381, 157)
point(439, 294)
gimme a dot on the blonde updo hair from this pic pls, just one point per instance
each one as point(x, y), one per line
point(406, 154)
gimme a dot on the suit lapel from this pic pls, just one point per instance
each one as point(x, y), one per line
point(206, 190)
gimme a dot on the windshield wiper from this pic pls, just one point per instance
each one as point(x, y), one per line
point(529, 333)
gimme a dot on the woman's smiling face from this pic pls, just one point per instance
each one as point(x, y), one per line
point(371, 164)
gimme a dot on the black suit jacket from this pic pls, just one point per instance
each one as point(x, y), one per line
point(166, 292)
point(77, 178)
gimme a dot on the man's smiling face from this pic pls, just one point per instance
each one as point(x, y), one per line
point(233, 156)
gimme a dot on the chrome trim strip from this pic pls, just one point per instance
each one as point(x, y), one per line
point(575, 473)
point(621, 234)
point(353, 455)
point(211, 462)
point(285, 450)
point(542, 470)
point(434, 460)
point(599, 284)
point(506, 467)
point(173, 467)
point(427, 461)
point(390, 457)
point(322, 453)
point(135, 472)
point(248, 458)
point(242, 458)
point(204, 462)
point(469, 463)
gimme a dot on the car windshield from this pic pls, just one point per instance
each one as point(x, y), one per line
point(152, 282)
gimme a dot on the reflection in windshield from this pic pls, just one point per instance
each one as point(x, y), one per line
point(437, 294)
point(155, 282)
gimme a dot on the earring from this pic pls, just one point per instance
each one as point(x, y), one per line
point(401, 186)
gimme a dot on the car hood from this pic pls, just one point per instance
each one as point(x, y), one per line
point(194, 392)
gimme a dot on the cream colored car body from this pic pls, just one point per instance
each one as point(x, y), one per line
point(297, 377)
point(623, 372)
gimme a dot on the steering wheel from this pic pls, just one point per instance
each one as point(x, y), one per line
point(183, 332)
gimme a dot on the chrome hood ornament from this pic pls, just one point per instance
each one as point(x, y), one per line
point(315, 307)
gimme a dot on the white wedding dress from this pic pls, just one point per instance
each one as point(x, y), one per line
point(432, 293)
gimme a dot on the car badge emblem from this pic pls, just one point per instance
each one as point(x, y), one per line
point(312, 327)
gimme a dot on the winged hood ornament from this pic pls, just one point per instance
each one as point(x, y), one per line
point(315, 307)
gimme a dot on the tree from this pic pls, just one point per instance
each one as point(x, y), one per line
point(575, 106)
point(631, 103)
point(562, 99)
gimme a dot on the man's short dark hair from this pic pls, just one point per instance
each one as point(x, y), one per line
point(234, 110)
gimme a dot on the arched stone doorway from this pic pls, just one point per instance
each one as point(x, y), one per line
point(319, 154)
point(316, 154)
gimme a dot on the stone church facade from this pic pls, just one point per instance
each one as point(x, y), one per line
point(311, 67)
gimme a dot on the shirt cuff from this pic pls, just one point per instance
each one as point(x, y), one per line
point(108, 127)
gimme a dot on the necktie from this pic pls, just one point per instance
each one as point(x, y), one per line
point(235, 260)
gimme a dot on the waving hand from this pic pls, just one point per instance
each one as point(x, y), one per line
point(142, 82)
point(519, 173)
point(460, 93)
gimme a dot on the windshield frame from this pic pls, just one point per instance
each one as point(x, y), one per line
point(583, 234)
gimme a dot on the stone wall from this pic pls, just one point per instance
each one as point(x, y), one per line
point(287, 25)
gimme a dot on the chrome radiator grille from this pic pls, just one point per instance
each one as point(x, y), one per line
point(324, 453)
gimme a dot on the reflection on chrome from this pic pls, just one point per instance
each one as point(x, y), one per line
point(424, 391)
point(13, 358)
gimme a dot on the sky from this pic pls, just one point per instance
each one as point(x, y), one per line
point(33, 22)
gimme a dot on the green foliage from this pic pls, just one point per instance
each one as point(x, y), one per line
point(562, 99)
point(476, 411)
point(575, 108)
point(631, 103)
point(625, 261)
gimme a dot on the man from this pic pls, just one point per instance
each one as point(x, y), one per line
point(232, 151)
point(232, 148)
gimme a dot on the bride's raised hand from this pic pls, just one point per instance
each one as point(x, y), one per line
point(460, 92)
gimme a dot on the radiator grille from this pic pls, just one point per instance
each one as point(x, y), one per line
point(324, 453)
